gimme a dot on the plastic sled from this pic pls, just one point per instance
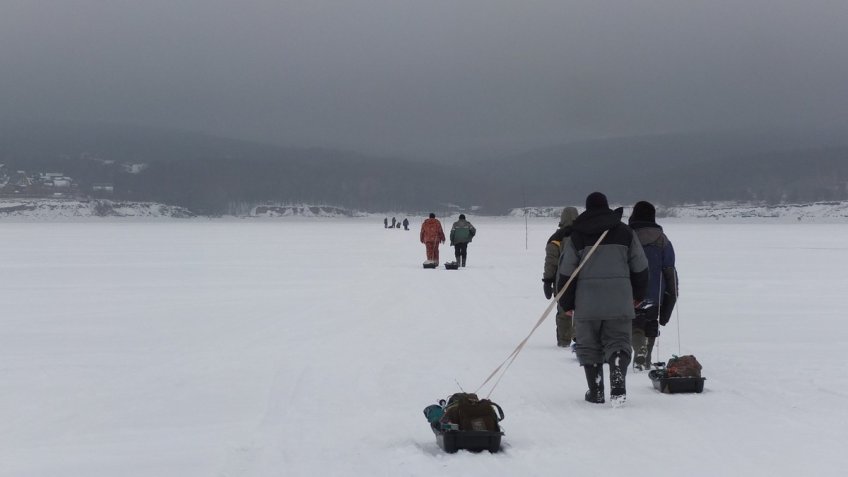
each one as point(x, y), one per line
point(451, 439)
point(452, 265)
point(674, 385)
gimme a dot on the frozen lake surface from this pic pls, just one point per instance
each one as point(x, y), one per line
point(305, 347)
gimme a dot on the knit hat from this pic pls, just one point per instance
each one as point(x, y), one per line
point(567, 217)
point(432, 215)
point(461, 216)
point(596, 200)
point(643, 211)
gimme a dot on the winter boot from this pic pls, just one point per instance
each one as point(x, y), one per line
point(640, 362)
point(640, 348)
point(618, 371)
point(648, 350)
point(595, 380)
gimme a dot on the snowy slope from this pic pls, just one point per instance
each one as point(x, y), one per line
point(304, 347)
point(835, 211)
point(53, 209)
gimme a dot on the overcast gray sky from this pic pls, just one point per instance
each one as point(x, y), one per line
point(427, 77)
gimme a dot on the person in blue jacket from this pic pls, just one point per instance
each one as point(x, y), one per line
point(661, 296)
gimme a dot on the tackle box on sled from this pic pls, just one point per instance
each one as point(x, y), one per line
point(466, 422)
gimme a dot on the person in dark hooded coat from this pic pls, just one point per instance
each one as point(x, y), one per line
point(602, 297)
point(662, 283)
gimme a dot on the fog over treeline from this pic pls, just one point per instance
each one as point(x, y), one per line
point(348, 102)
point(211, 175)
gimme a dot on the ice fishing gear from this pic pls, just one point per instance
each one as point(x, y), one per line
point(468, 422)
point(452, 265)
point(431, 264)
point(680, 375)
point(465, 421)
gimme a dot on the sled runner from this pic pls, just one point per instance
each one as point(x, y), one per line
point(466, 422)
point(451, 265)
point(680, 375)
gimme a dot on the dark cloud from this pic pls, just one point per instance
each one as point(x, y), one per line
point(426, 78)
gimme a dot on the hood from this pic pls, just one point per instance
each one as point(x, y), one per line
point(569, 214)
point(648, 232)
point(595, 221)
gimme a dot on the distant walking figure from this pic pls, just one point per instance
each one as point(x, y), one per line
point(431, 235)
point(386, 223)
point(394, 221)
point(460, 236)
point(405, 224)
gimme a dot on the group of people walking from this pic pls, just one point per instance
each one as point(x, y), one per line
point(461, 234)
point(395, 223)
point(615, 283)
point(612, 308)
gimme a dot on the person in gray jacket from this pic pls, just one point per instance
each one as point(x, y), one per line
point(604, 294)
point(553, 249)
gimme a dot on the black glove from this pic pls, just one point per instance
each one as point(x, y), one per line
point(668, 306)
point(548, 287)
point(669, 297)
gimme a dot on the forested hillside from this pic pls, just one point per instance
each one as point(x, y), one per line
point(207, 174)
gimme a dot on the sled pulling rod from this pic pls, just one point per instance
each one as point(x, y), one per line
point(509, 359)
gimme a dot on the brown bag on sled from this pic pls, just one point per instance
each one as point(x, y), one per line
point(683, 367)
point(472, 414)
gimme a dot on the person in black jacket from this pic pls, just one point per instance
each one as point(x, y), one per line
point(602, 297)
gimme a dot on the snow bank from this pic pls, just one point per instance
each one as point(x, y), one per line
point(47, 209)
point(817, 211)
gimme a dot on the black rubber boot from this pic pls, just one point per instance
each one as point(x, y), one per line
point(650, 348)
point(595, 380)
point(618, 364)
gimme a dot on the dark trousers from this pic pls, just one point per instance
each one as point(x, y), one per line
point(648, 322)
point(597, 340)
point(646, 326)
point(461, 251)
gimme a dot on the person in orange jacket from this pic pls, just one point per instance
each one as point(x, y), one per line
point(431, 235)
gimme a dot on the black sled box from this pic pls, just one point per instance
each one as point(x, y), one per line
point(474, 441)
point(430, 265)
point(452, 265)
point(466, 422)
point(673, 385)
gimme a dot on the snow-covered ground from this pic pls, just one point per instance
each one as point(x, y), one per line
point(306, 347)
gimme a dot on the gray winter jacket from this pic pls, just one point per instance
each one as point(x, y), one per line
point(613, 277)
